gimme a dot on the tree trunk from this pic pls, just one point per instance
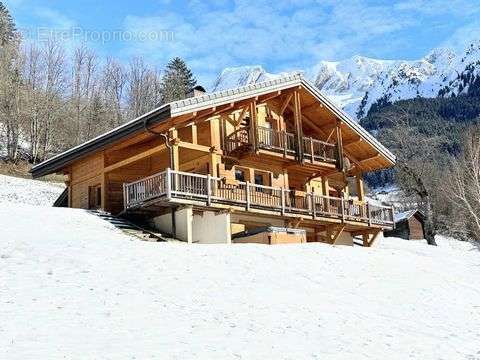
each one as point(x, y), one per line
point(429, 225)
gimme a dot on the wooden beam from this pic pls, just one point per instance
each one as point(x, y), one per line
point(360, 187)
point(197, 147)
point(312, 107)
point(194, 134)
point(270, 97)
point(330, 135)
point(367, 242)
point(297, 116)
point(135, 158)
point(104, 186)
point(212, 164)
point(229, 119)
point(215, 139)
point(175, 157)
point(285, 104)
point(338, 233)
point(253, 125)
point(362, 161)
point(338, 130)
point(242, 115)
point(352, 141)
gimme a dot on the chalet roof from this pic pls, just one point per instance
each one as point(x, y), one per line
point(192, 104)
point(406, 215)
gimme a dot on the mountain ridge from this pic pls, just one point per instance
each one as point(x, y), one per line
point(358, 83)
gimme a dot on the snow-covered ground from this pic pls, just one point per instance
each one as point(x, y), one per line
point(74, 287)
point(32, 192)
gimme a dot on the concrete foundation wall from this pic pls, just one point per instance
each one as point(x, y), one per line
point(183, 224)
point(211, 228)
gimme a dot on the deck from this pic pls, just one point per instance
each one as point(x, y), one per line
point(182, 187)
point(282, 143)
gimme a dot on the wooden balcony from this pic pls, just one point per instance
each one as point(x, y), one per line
point(281, 142)
point(176, 186)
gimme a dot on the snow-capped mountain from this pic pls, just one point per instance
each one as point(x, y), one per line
point(359, 82)
point(239, 76)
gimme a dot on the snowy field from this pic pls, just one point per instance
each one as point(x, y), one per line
point(73, 287)
point(32, 192)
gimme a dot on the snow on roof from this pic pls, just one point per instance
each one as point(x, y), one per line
point(405, 215)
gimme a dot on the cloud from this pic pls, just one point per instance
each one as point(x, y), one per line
point(280, 35)
point(463, 36)
point(53, 18)
point(283, 34)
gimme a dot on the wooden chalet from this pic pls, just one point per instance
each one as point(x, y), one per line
point(276, 153)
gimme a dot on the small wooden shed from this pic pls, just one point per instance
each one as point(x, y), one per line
point(409, 225)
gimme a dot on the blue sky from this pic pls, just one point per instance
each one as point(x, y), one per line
point(279, 35)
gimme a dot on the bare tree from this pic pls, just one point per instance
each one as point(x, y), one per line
point(113, 84)
point(11, 97)
point(463, 186)
point(83, 89)
point(417, 166)
point(144, 88)
point(53, 58)
point(33, 76)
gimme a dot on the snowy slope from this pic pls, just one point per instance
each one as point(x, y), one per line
point(357, 83)
point(31, 192)
point(74, 287)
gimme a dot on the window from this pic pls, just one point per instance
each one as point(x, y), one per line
point(94, 197)
point(239, 175)
point(258, 179)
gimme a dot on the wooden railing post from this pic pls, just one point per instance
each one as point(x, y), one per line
point(247, 195)
point(169, 184)
point(209, 190)
point(311, 148)
point(283, 201)
point(314, 207)
point(369, 215)
point(125, 199)
point(342, 201)
point(285, 143)
point(392, 217)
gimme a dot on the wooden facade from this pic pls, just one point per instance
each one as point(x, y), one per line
point(281, 154)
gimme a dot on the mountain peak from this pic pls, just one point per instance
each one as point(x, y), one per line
point(359, 82)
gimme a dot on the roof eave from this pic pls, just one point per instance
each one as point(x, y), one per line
point(387, 154)
point(60, 161)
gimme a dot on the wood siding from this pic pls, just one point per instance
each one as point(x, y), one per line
point(416, 228)
point(83, 174)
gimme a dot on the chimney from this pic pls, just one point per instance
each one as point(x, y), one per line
point(196, 91)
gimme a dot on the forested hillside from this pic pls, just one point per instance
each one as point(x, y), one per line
point(437, 145)
point(448, 118)
point(53, 97)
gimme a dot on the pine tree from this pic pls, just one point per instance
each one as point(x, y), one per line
point(177, 81)
point(7, 26)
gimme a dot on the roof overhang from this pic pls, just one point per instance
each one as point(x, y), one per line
point(195, 104)
point(132, 127)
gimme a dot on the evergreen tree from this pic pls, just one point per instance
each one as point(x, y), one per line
point(177, 81)
point(7, 26)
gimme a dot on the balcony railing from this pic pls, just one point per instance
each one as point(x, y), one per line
point(278, 141)
point(317, 150)
point(281, 142)
point(171, 184)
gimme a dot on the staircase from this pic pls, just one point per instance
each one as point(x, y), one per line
point(130, 228)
